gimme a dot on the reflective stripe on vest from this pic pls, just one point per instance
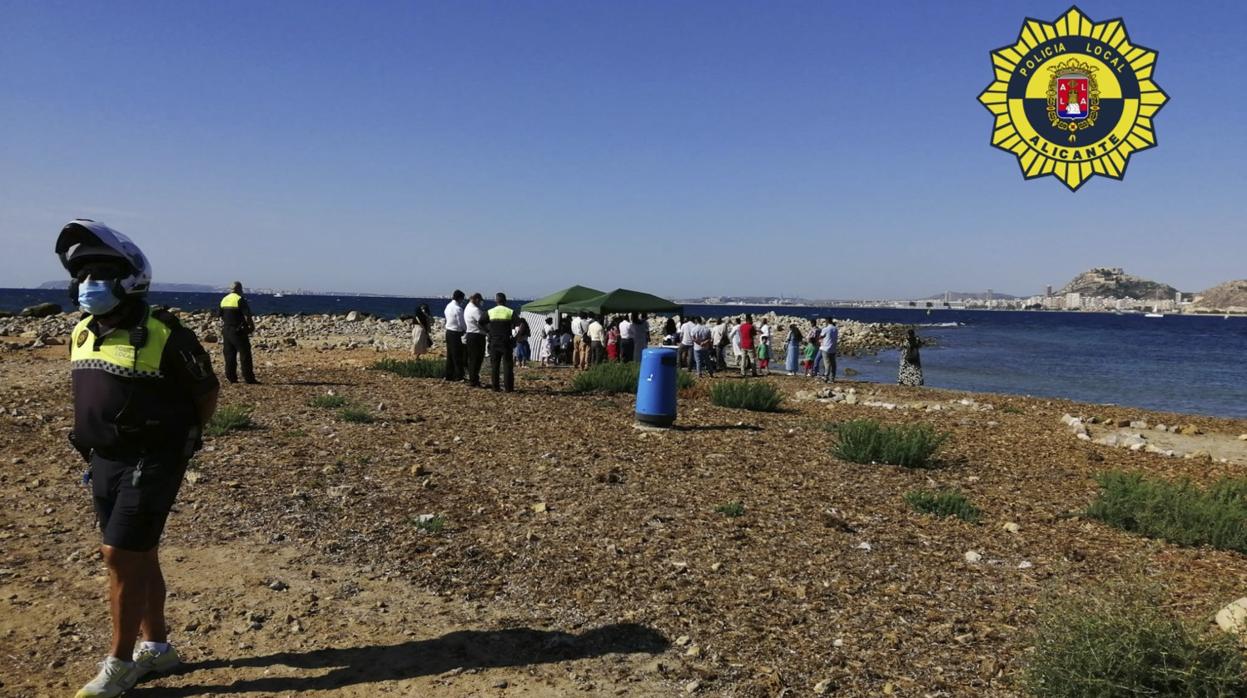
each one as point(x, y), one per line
point(231, 301)
point(500, 312)
point(116, 355)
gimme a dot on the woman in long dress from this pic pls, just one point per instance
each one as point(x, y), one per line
point(911, 363)
point(421, 332)
point(794, 349)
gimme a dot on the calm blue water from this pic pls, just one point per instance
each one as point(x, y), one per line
point(1178, 363)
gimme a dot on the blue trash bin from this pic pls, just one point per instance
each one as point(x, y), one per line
point(656, 387)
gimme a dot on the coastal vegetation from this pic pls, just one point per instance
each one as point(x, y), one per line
point(1121, 641)
point(1179, 512)
point(618, 378)
point(950, 502)
point(743, 395)
point(413, 368)
point(327, 401)
point(355, 415)
point(869, 442)
point(229, 418)
point(731, 509)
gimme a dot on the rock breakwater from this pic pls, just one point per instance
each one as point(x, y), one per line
point(356, 330)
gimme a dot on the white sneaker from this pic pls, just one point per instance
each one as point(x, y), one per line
point(115, 677)
point(149, 659)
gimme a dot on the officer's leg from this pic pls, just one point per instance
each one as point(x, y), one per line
point(508, 371)
point(495, 365)
point(244, 350)
point(231, 355)
point(127, 596)
point(153, 627)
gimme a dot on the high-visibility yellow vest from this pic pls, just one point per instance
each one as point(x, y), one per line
point(231, 301)
point(116, 353)
point(500, 312)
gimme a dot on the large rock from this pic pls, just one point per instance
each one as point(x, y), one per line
point(1233, 618)
point(41, 310)
point(354, 316)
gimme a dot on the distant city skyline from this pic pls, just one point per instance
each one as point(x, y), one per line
point(746, 149)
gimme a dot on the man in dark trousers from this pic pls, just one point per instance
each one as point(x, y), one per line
point(474, 333)
point(237, 326)
point(143, 388)
point(456, 362)
point(501, 343)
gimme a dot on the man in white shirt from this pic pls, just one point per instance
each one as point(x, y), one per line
point(685, 353)
point(625, 340)
point(596, 336)
point(701, 347)
point(474, 336)
point(580, 354)
point(718, 343)
point(455, 364)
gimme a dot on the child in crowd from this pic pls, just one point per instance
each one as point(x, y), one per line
point(764, 358)
point(807, 357)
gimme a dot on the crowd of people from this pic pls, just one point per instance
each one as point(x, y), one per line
point(705, 346)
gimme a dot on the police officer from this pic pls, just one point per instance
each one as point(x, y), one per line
point(501, 343)
point(143, 388)
point(237, 327)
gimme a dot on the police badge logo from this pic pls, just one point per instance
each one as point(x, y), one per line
point(82, 339)
point(1073, 98)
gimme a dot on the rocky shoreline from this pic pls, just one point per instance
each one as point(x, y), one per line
point(355, 330)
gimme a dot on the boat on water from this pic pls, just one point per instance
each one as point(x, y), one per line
point(279, 294)
point(1153, 315)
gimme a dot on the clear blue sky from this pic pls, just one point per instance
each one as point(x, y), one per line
point(825, 149)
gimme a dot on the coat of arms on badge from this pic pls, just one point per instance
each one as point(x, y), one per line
point(1073, 98)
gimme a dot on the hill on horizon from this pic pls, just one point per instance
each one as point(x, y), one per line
point(157, 286)
point(1113, 282)
point(1231, 294)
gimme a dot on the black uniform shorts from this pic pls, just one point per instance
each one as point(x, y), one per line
point(132, 509)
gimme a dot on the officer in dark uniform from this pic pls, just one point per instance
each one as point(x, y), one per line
point(501, 320)
point(237, 327)
point(143, 389)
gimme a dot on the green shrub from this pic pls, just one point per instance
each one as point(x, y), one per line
point(413, 368)
point(229, 418)
point(327, 401)
point(908, 445)
point(943, 503)
point(429, 524)
point(1119, 642)
point(355, 415)
point(758, 396)
point(1175, 511)
point(731, 509)
point(618, 378)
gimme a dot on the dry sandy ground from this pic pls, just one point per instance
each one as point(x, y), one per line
point(580, 556)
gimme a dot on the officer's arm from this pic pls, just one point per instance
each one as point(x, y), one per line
point(248, 321)
point(205, 405)
point(191, 368)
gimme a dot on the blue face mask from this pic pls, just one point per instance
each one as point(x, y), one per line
point(96, 297)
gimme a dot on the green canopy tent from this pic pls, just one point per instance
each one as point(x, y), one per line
point(622, 300)
point(555, 301)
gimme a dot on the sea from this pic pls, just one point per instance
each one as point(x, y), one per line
point(1193, 364)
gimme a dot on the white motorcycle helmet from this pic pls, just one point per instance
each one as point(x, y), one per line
point(83, 241)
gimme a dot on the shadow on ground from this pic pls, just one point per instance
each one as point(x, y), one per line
point(467, 649)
